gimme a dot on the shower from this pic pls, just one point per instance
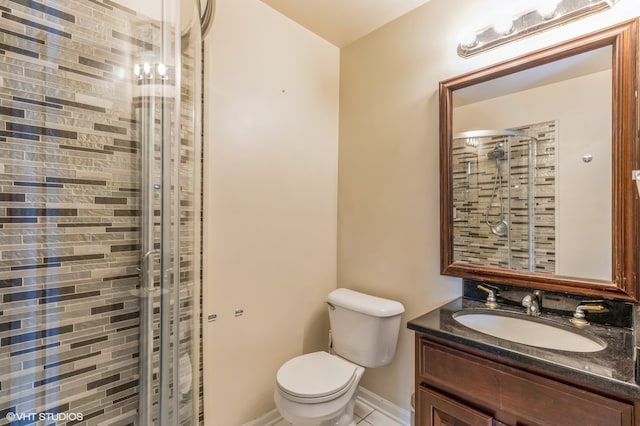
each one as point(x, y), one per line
point(100, 225)
point(495, 174)
point(499, 226)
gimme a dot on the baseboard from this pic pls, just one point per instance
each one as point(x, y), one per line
point(269, 419)
point(380, 404)
point(384, 406)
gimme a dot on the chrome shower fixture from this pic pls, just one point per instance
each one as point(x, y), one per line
point(541, 16)
point(496, 153)
point(499, 226)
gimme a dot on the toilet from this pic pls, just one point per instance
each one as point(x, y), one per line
point(320, 388)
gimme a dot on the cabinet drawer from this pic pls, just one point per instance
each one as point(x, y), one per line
point(439, 410)
point(512, 395)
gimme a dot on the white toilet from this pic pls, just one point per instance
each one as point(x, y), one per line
point(319, 389)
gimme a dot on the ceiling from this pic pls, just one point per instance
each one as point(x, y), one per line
point(341, 22)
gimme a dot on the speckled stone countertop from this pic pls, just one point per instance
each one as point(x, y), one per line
point(611, 369)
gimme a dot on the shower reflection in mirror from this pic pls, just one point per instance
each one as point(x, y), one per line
point(504, 197)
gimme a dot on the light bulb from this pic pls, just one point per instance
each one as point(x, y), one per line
point(136, 70)
point(147, 68)
point(468, 39)
point(503, 25)
point(547, 8)
point(472, 142)
point(162, 70)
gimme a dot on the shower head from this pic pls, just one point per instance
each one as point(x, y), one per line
point(496, 154)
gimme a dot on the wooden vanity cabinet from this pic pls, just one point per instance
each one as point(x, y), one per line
point(457, 388)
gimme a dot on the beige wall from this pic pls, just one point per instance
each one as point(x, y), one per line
point(271, 147)
point(388, 221)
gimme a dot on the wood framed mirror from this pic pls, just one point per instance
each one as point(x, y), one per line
point(536, 161)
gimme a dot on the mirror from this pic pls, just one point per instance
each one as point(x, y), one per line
point(536, 161)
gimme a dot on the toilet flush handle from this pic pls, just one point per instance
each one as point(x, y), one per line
point(332, 307)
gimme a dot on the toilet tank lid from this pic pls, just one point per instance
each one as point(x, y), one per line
point(364, 303)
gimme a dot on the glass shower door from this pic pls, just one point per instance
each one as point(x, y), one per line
point(99, 213)
point(168, 82)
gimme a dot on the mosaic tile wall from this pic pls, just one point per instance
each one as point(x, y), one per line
point(474, 179)
point(70, 211)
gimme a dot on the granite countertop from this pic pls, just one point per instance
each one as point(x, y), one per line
point(612, 369)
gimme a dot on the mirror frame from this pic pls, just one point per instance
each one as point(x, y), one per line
point(623, 38)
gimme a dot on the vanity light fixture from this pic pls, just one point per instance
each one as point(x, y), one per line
point(546, 14)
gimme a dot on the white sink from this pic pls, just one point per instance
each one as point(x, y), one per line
point(529, 331)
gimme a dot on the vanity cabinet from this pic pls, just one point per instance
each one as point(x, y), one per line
point(455, 388)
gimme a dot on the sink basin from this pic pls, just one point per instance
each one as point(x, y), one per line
point(529, 331)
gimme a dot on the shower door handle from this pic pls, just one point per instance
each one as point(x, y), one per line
point(147, 255)
point(144, 268)
point(144, 260)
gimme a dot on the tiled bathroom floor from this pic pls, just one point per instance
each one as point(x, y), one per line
point(365, 415)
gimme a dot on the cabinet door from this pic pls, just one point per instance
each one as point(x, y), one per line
point(435, 409)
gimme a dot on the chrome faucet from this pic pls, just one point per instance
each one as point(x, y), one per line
point(532, 303)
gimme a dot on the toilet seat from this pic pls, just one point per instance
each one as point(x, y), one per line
point(316, 377)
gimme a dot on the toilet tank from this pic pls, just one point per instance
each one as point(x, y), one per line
point(364, 328)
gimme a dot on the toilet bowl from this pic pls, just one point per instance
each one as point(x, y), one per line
point(317, 389)
point(320, 388)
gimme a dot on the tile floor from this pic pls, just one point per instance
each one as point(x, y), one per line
point(365, 415)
